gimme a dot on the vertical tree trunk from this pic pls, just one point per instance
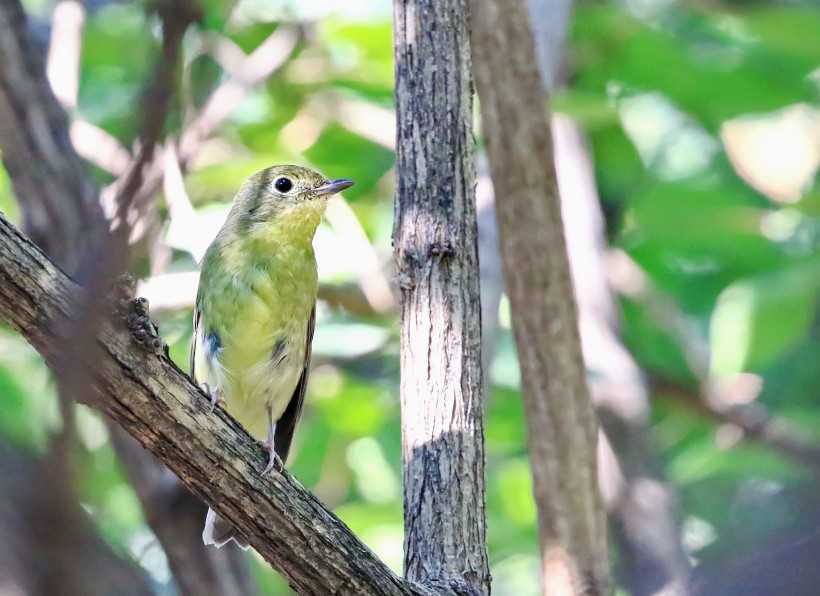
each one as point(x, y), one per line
point(560, 417)
point(436, 255)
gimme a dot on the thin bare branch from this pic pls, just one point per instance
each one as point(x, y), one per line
point(258, 66)
point(125, 198)
point(753, 420)
point(369, 121)
point(99, 147)
point(172, 291)
point(63, 66)
point(730, 400)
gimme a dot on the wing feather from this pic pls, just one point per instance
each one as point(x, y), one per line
point(286, 425)
point(194, 342)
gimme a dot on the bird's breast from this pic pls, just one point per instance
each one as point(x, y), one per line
point(262, 336)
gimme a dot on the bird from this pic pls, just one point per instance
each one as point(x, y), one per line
point(255, 311)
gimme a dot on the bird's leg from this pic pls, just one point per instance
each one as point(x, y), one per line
point(275, 461)
point(215, 399)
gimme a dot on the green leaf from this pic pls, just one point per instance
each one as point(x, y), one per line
point(756, 319)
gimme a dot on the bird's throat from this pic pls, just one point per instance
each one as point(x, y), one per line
point(293, 226)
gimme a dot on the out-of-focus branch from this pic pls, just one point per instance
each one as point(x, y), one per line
point(63, 65)
point(99, 271)
point(184, 511)
point(146, 394)
point(60, 209)
point(58, 200)
point(753, 420)
point(641, 505)
point(175, 516)
point(258, 66)
point(372, 280)
point(560, 416)
point(125, 199)
point(35, 556)
point(99, 147)
point(489, 263)
point(374, 123)
point(173, 291)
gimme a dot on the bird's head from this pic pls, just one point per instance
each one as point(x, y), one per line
point(284, 199)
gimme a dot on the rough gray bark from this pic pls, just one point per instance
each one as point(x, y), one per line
point(146, 394)
point(436, 256)
point(560, 417)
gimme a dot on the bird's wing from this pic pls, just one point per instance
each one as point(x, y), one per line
point(194, 342)
point(287, 423)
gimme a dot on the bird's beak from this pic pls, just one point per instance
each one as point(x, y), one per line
point(331, 187)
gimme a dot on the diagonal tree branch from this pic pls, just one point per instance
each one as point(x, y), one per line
point(215, 458)
point(753, 419)
point(730, 400)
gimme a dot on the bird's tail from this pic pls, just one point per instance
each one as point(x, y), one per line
point(219, 532)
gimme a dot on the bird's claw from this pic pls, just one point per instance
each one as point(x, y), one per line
point(274, 462)
point(216, 400)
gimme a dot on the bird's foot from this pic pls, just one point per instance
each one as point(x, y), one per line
point(216, 400)
point(214, 394)
point(274, 462)
point(134, 313)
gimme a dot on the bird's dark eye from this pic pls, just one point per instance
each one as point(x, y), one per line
point(283, 184)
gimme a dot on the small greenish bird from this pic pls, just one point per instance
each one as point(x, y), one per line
point(256, 310)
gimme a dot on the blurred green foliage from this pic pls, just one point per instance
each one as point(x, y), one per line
point(654, 84)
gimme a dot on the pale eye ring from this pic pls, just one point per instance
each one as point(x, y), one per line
point(283, 184)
